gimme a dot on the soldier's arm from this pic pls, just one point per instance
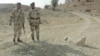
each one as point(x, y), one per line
point(39, 20)
point(29, 17)
point(23, 19)
point(23, 22)
point(39, 17)
point(10, 20)
point(11, 17)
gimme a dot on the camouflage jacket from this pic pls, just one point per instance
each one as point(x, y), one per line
point(34, 17)
point(17, 16)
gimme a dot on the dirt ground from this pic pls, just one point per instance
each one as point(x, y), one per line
point(55, 27)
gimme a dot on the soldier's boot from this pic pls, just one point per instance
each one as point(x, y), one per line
point(37, 32)
point(19, 40)
point(38, 37)
point(14, 39)
point(19, 34)
point(32, 35)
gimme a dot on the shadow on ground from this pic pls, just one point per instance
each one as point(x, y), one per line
point(45, 49)
point(87, 46)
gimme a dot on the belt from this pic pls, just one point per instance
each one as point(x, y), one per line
point(32, 18)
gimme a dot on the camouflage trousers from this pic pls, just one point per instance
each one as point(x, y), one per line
point(35, 28)
point(17, 30)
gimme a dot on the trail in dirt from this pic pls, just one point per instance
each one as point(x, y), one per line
point(87, 25)
point(82, 28)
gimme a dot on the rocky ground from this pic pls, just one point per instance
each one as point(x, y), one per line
point(55, 27)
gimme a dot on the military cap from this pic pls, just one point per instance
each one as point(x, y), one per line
point(33, 3)
point(18, 3)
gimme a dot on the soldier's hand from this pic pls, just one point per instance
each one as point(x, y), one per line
point(10, 24)
point(30, 23)
point(39, 21)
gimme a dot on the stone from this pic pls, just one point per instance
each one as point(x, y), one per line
point(81, 42)
point(66, 39)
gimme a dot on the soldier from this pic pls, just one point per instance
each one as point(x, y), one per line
point(17, 17)
point(34, 21)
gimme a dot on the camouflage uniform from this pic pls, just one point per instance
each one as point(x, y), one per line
point(17, 18)
point(34, 21)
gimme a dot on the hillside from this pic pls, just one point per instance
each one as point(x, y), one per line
point(9, 7)
point(92, 6)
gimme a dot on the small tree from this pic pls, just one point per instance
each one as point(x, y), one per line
point(47, 6)
point(54, 4)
